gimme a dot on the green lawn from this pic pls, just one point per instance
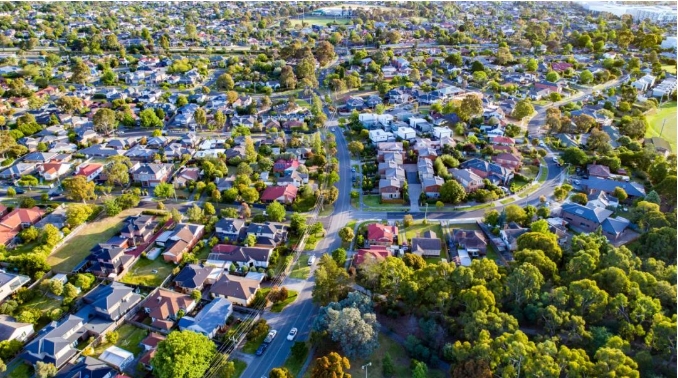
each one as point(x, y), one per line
point(476, 207)
point(240, 367)
point(544, 173)
point(292, 296)
point(400, 360)
point(21, 371)
point(301, 270)
point(374, 201)
point(42, 303)
point(75, 250)
point(252, 345)
point(129, 339)
point(294, 364)
point(141, 273)
point(507, 200)
point(418, 229)
point(668, 112)
point(303, 103)
point(670, 68)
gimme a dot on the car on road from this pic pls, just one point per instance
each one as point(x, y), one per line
point(18, 190)
point(292, 334)
point(261, 349)
point(270, 337)
point(353, 169)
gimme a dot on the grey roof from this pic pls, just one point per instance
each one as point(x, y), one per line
point(192, 276)
point(597, 214)
point(631, 188)
point(87, 368)
point(115, 299)
point(230, 225)
point(8, 325)
point(426, 244)
point(55, 338)
point(210, 318)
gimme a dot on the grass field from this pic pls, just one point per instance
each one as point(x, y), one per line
point(75, 250)
point(141, 273)
point(670, 68)
point(417, 229)
point(301, 270)
point(252, 345)
point(129, 339)
point(22, 371)
point(668, 112)
point(294, 364)
point(42, 303)
point(240, 367)
point(292, 296)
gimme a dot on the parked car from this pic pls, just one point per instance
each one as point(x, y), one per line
point(270, 337)
point(292, 334)
point(261, 349)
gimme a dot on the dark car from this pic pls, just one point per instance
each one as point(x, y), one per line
point(18, 190)
point(262, 349)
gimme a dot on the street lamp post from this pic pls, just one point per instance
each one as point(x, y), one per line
point(364, 367)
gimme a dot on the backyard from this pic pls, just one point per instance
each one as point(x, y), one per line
point(666, 111)
point(148, 272)
point(129, 338)
point(75, 250)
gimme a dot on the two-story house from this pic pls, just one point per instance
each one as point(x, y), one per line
point(151, 174)
point(108, 262)
point(89, 170)
point(192, 277)
point(238, 290)
point(267, 234)
point(56, 342)
point(113, 301)
point(380, 234)
point(163, 307)
point(183, 238)
point(10, 282)
point(138, 229)
point(224, 255)
point(230, 229)
point(469, 180)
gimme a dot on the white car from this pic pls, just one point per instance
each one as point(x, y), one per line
point(292, 334)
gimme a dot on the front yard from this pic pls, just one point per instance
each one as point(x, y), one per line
point(417, 229)
point(291, 297)
point(75, 250)
point(301, 270)
point(148, 272)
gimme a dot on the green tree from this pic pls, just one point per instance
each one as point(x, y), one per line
point(45, 370)
point(80, 72)
point(356, 147)
point(184, 354)
point(280, 372)
point(585, 77)
point(452, 192)
point(276, 212)
point(195, 214)
point(523, 109)
point(331, 366)
point(225, 82)
point(552, 76)
point(331, 282)
point(77, 188)
point(104, 121)
point(164, 190)
point(339, 256)
point(148, 118)
point(346, 234)
point(77, 214)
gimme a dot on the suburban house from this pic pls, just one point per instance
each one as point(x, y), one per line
point(594, 185)
point(10, 329)
point(138, 229)
point(224, 255)
point(164, 306)
point(285, 166)
point(192, 277)
point(10, 282)
point(56, 342)
point(497, 174)
point(584, 218)
point(389, 188)
point(507, 160)
point(431, 186)
point(89, 170)
point(12, 223)
point(267, 234)
point(53, 171)
point(379, 234)
point(473, 241)
point(150, 343)
point(103, 261)
point(186, 175)
point(231, 229)
point(113, 301)
point(283, 194)
point(238, 290)
point(660, 145)
point(597, 170)
point(88, 367)
point(469, 180)
point(183, 238)
point(373, 253)
point(151, 174)
point(426, 245)
point(117, 357)
point(210, 319)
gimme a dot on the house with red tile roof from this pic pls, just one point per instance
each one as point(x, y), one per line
point(163, 307)
point(12, 223)
point(507, 160)
point(560, 66)
point(52, 171)
point(374, 253)
point(285, 166)
point(283, 194)
point(379, 234)
point(90, 170)
point(502, 141)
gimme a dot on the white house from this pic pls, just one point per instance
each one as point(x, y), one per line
point(441, 132)
point(13, 330)
point(414, 121)
point(644, 83)
point(117, 357)
point(406, 133)
point(368, 119)
point(379, 135)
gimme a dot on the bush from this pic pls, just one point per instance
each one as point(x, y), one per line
point(260, 328)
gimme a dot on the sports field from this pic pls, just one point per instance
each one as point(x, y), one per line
point(666, 111)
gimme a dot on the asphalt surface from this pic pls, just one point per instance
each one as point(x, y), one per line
point(301, 313)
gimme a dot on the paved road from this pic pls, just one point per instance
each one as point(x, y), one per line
point(302, 312)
